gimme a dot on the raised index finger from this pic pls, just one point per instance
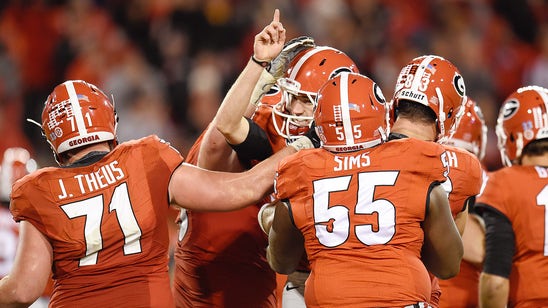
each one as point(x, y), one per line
point(276, 17)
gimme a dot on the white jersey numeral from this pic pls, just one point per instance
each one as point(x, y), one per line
point(92, 209)
point(332, 223)
point(542, 200)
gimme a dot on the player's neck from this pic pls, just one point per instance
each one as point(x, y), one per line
point(98, 147)
point(417, 130)
point(538, 160)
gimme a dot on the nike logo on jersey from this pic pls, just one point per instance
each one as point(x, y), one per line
point(289, 288)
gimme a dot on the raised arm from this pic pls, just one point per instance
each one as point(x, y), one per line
point(31, 269)
point(229, 119)
point(443, 249)
point(229, 123)
point(216, 154)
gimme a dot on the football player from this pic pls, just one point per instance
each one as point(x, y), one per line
point(429, 100)
point(358, 208)
point(281, 94)
point(16, 163)
point(462, 290)
point(13, 167)
point(513, 204)
point(99, 219)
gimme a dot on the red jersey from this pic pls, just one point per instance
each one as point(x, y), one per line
point(521, 194)
point(465, 177)
point(220, 256)
point(360, 214)
point(461, 291)
point(107, 225)
point(464, 181)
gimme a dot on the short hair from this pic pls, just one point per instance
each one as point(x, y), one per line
point(415, 111)
point(535, 148)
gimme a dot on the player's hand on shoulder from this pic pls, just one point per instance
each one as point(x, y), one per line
point(266, 216)
point(309, 140)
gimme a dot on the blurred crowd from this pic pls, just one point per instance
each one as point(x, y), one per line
point(169, 63)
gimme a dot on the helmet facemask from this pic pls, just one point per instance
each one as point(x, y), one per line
point(293, 125)
point(307, 72)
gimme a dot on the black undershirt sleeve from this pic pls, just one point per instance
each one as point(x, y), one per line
point(255, 146)
point(499, 242)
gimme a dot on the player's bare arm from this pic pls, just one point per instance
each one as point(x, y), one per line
point(229, 119)
point(285, 242)
point(473, 239)
point(461, 219)
point(199, 189)
point(216, 154)
point(493, 291)
point(443, 249)
point(31, 269)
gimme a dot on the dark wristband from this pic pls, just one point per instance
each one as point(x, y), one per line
point(264, 64)
point(256, 145)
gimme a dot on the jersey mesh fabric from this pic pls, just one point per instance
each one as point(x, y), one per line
point(220, 257)
point(124, 197)
point(521, 194)
point(465, 178)
point(387, 274)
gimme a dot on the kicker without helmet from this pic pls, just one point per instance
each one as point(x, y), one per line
point(350, 113)
point(523, 119)
point(307, 72)
point(75, 114)
point(436, 83)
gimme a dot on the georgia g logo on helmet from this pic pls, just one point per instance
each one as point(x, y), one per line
point(510, 108)
point(458, 82)
point(378, 94)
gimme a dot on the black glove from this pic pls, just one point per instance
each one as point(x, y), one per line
point(280, 64)
point(311, 134)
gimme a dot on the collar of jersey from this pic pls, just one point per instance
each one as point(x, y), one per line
point(88, 159)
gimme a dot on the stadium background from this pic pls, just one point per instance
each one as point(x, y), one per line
point(168, 63)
